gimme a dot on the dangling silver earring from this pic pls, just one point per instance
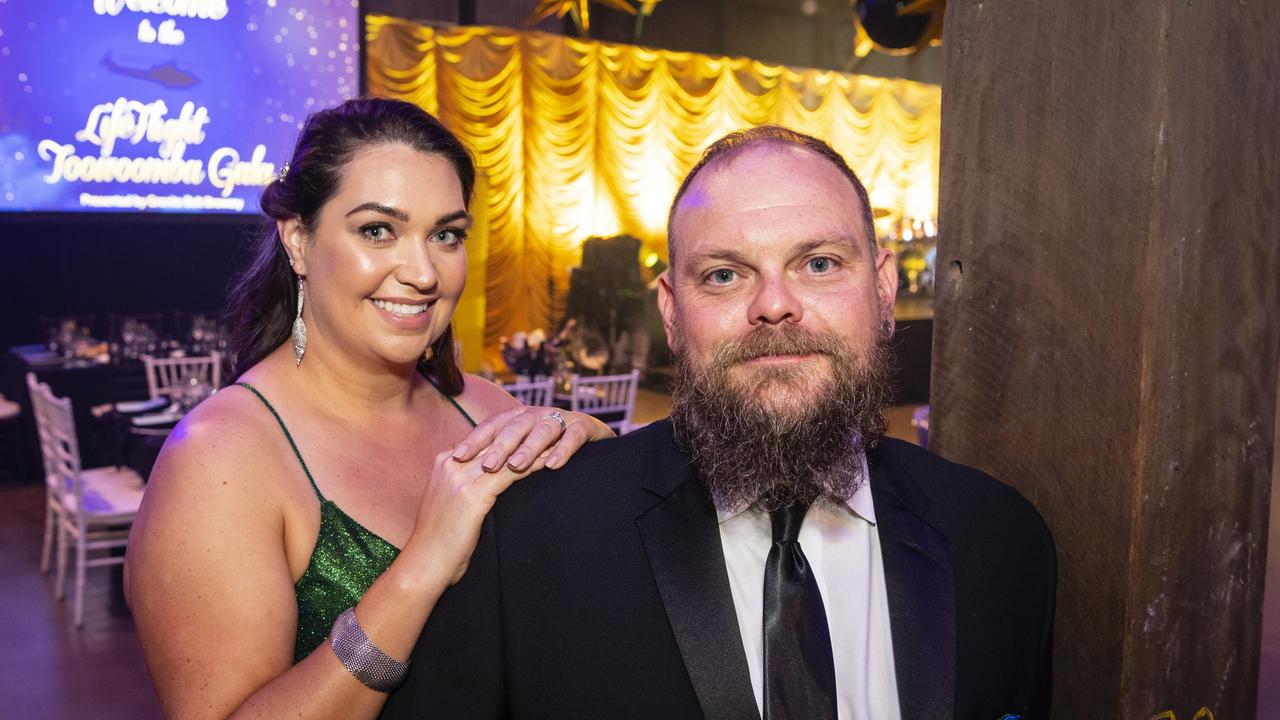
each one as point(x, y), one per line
point(299, 329)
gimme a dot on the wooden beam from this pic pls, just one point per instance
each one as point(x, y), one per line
point(1107, 330)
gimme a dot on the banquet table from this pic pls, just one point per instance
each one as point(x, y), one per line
point(88, 383)
point(130, 434)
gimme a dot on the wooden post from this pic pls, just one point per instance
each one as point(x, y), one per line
point(1108, 324)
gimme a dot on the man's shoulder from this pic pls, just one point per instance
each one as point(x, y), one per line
point(959, 495)
point(650, 446)
point(937, 475)
point(606, 469)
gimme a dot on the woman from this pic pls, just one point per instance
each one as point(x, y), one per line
point(327, 477)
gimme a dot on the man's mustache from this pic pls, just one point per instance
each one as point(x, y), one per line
point(773, 340)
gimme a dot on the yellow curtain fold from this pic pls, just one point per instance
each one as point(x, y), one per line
point(576, 138)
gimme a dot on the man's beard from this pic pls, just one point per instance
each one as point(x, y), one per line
point(750, 451)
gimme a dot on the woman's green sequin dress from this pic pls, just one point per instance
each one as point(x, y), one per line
point(347, 559)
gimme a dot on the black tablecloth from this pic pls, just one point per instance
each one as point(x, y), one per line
point(86, 383)
point(124, 444)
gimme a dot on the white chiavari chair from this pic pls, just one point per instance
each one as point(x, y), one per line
point(532, 392)
point(605, 396)
point(53, 491)
point(96, 506)
point(166, 376)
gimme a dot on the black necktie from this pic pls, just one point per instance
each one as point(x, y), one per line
point(799, 674)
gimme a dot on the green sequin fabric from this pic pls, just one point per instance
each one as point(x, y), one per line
point(347, 559)
point(345, 562)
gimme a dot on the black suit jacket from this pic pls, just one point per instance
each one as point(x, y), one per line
point(600, 591)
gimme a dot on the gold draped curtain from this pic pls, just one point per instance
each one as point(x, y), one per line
point(578, 138)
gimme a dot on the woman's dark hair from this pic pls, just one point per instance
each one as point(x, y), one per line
point(263, 299)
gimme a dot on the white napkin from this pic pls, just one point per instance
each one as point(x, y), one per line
point(164, 418)
point(137, 406)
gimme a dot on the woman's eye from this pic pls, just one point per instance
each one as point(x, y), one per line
point(449, 236)
point(821, 264)
point(376, 233)
point(722, 276)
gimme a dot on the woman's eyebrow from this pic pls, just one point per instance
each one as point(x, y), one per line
point(396, 213)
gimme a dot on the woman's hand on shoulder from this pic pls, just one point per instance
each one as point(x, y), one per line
point(517, 435)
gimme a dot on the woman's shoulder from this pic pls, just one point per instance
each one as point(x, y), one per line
point(482, 398)
point(215, 486)
point(229, 438)
point(231, 415)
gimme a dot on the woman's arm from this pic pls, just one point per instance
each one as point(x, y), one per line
point(213, 595)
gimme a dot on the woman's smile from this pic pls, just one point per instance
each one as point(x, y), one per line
point(404, 314)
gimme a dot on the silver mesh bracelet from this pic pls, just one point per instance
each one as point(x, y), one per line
point(362, 658)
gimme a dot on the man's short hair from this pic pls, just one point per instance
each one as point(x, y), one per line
point(735, 143)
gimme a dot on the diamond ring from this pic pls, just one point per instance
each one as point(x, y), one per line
point(555, 415)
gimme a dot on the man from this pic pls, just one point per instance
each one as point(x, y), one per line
point(765, 553)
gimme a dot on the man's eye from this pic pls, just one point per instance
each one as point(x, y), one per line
point(721, 276)
point(821, 264)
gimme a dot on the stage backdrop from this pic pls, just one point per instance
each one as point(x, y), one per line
point(126, 106)
point(580, 138)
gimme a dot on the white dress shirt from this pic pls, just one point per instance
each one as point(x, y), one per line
point(843, 548)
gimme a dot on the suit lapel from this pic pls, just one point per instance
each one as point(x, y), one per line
point(921, 590)
point(682, 540)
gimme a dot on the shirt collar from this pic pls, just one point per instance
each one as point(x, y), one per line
point(859, 504)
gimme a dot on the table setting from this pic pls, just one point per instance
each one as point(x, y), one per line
point(96, 374)
point(132, 432)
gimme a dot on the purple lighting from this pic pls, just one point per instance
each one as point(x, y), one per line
point(116, 105)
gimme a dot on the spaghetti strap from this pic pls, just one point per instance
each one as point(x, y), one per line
point(450, 399)
point(288, 436)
